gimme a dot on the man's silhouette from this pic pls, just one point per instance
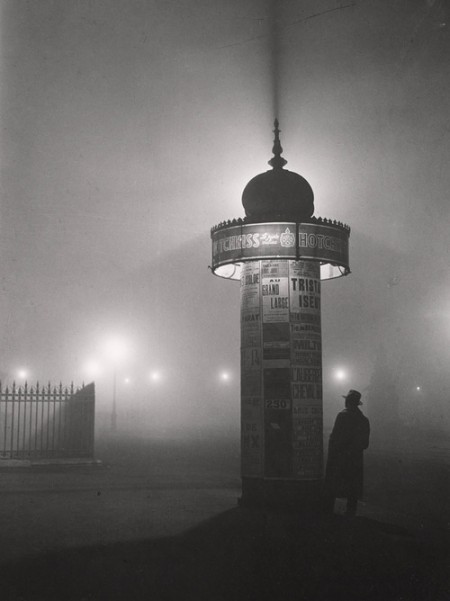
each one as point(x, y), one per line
point(348, 440)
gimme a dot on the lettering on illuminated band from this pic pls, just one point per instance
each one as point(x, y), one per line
point(319, 241)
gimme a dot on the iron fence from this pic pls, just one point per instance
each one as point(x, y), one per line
point(46, 421)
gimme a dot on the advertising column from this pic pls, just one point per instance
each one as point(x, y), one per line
point(281, 370)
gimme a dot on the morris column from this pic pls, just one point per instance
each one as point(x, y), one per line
point(280, 253)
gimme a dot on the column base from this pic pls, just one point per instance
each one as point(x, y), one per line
point(305, 496)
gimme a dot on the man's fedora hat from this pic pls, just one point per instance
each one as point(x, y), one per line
point(353, 395)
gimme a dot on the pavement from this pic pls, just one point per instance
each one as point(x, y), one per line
point(160, 521)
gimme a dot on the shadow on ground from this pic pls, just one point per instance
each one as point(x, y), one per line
point(244, 555)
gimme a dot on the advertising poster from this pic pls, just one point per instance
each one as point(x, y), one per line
point(275, 291)
point(307, 441)
point(306, 368)
point(252, 416)
point(281, 370)
point(276, 344)
point(252, 438)
point(250, 306)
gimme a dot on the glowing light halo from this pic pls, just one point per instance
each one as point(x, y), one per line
point(340, 374)
point(155, 375)
point(92, 368)
point(22, 373)
point(116, 348)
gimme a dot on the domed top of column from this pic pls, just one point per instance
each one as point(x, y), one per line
point(279, 194)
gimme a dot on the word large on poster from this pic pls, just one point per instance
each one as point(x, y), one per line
point(275, 291)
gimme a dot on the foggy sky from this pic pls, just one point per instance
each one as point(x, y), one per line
point(129, 128)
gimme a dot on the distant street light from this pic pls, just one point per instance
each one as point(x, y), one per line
point(340, 374)
point(155, 376)
point(22, 374)
point(225, 376)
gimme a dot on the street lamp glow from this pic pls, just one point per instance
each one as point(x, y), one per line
point(340, 374)
point(116, 349)
point(22, 374)
point(155, 376)
point(418, 388)
point(92, 368)
point(225, 376)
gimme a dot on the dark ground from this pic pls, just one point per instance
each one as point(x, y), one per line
point(159, 521)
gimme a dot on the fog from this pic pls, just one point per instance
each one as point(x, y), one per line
point(129, 129)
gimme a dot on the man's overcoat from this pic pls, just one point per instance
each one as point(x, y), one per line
point(349, 438)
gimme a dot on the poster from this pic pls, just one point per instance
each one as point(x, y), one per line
point(306, 369)
point(281, 369)
point(252, 439)
point(275, 291)
point(252, 423)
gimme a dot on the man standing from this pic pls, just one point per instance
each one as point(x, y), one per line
point(348, 440)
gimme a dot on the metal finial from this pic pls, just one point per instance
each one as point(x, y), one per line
point(277, 161)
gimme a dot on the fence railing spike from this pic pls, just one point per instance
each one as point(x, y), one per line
point(41, 423)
